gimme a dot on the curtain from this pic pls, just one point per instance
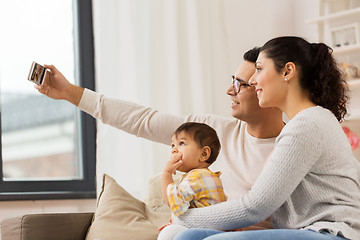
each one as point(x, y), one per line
point(166, 54)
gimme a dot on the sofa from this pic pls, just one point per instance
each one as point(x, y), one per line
point(118, 215)
point(41, 226)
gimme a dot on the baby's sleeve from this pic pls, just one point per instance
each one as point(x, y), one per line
point(180, 195)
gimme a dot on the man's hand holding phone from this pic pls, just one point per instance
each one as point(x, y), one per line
point(56, 86)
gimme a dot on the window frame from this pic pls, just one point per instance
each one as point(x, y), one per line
point(85, 73)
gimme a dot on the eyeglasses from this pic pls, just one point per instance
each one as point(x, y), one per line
point(238, 84)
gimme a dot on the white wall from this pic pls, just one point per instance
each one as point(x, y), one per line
point(247, 24)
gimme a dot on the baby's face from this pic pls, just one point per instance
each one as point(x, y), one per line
point(191, 151)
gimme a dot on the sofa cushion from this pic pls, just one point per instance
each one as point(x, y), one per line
point(155, 198)
point(119, 215)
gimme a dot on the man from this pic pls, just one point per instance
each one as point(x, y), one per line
point(246, 140)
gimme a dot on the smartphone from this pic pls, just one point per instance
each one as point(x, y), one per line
point(37, 73)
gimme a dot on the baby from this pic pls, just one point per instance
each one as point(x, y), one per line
point(195, 146)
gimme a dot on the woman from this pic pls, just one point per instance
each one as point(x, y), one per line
point(310, 185)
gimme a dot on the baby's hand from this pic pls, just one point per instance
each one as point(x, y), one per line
point(174, 163)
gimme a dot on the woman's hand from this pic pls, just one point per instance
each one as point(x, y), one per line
point(57, 86)
point(264, 225)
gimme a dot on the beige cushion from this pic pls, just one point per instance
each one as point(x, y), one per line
point(121, 216)
point(155, 198)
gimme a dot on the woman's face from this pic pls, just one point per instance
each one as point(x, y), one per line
point(269, 84)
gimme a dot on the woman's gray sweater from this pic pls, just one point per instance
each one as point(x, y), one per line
point(311, 181)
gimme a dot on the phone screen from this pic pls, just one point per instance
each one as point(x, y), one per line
point(37, 73)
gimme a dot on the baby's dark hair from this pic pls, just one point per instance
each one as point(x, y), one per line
point(319, 74)
point(204, 135)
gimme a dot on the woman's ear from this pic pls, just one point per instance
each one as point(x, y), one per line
point(289, 71)
point(205, 154)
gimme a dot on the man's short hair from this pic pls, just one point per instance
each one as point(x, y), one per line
point(252, 55)
point(204, 135)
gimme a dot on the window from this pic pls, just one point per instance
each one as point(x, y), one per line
point(47, 146)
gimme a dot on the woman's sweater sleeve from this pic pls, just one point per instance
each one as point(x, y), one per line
point(297, 149)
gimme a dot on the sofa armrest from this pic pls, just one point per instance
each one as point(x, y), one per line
point(57, 226)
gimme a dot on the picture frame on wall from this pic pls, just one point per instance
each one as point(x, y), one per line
point(345, 36)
